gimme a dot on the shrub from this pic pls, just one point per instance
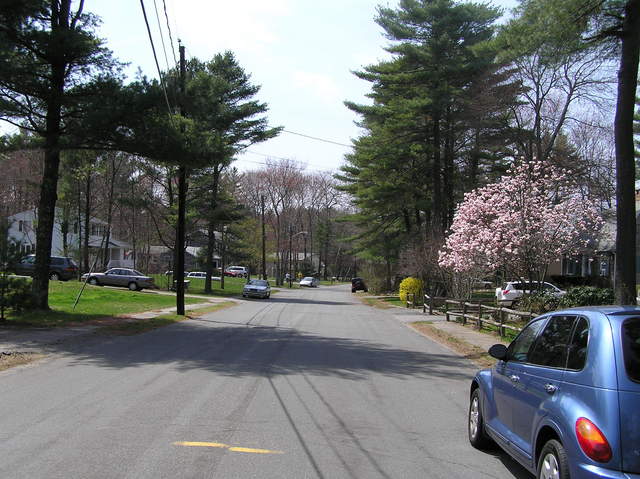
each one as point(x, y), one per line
point(587, 296)
point(410, 285)
point(15, 293)
point(538, 303)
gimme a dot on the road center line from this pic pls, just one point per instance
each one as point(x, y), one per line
point(225, 446)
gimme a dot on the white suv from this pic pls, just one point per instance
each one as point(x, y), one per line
point(511, 291)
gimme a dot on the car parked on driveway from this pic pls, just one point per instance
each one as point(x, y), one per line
point(128, 278)
point(256, 288)
point(564, 397)
point(358, 284)
point(511, 291)
point(60, 267)
point(197, 274)
point(309, 282)
point(236, 272)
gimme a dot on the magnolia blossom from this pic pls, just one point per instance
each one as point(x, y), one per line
point(523, 222)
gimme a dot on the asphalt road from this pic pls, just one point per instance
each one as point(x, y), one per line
point(308, 384)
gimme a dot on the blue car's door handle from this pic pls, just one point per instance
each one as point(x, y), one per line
point(514, 378)
point(550, 388)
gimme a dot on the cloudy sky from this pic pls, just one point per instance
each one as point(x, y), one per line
point(301, 52)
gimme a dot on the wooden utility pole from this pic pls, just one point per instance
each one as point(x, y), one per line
point(264, 240)
point(182, 197)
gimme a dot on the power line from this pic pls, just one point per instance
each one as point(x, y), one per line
point(155, 57)
point(166, 16)
point(166, 59)
point(302, 164)
point(317, 138)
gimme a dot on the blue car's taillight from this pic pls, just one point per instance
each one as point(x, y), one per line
point(593, 443)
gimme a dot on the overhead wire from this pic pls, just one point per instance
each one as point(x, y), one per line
point(155, 57)
point(166, 16)
point(164, 49)
point(317, 138)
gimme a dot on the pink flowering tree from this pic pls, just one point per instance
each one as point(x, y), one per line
point(522, 223)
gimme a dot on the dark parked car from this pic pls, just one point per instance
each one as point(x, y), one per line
point(60, 267)
point(563, 398)
point(358, 284)
point(129, 278)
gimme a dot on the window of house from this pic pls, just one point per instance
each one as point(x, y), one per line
point(20, 225)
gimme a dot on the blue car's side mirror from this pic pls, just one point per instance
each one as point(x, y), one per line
point(498, 351)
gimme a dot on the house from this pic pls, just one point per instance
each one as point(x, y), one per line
point(160, 259)
point(599, 258)
point(22, 230)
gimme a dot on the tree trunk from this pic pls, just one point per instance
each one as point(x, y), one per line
point(48, 189)
point(625, 274)
point(435, 175)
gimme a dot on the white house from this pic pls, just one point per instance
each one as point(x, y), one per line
point(22, 229)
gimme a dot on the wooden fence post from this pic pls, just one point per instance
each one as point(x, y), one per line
point(464, 311)
point(479, 315)
point(446, 309)
point(431, 304)
point(501, 313)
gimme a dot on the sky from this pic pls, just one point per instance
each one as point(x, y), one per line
point(301, 52)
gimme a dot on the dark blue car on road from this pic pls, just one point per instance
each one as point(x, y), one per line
point(564, 398)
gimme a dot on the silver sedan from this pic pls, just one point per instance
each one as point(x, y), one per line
point(256, 288)
point(128, 278)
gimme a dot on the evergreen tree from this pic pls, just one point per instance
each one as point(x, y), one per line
point(46, 50)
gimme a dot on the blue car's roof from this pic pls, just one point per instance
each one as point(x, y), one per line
point(613, 311)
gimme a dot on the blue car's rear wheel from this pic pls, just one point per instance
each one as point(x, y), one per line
point(553, 462)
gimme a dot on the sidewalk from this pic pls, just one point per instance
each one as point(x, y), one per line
point(453, 329)
point(42, 340)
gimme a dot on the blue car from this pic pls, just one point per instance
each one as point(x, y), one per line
point(564, 398)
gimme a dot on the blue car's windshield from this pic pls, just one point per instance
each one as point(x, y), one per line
point(631, 347)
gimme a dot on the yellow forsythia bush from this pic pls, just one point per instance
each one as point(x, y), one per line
point(410, 285)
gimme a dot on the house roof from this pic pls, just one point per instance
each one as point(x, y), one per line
point(113, 243)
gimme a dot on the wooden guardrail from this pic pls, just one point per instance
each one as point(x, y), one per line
point(480, 314)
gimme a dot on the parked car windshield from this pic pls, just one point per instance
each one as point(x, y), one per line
point(258, 282)
point(308, 278)
point(631, 347)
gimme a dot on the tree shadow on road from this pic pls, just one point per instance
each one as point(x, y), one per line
point(275, 299)
point(245, 350)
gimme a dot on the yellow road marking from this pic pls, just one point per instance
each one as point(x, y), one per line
point(225, 446)
point(200, 444)
point(254, 451)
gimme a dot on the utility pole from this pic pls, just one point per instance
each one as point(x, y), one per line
point(222, 252)
point(290, 238)
point(264, 240)
point(182, 197)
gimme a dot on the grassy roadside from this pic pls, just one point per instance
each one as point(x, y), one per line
point(96, 302)
point(468, 351)
point(382, 302)
point(125, 326)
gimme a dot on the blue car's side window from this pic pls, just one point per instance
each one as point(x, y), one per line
point(551, 346)
point(519, 348)
point(577, 356)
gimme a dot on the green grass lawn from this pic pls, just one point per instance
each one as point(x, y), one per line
point(95, 302)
